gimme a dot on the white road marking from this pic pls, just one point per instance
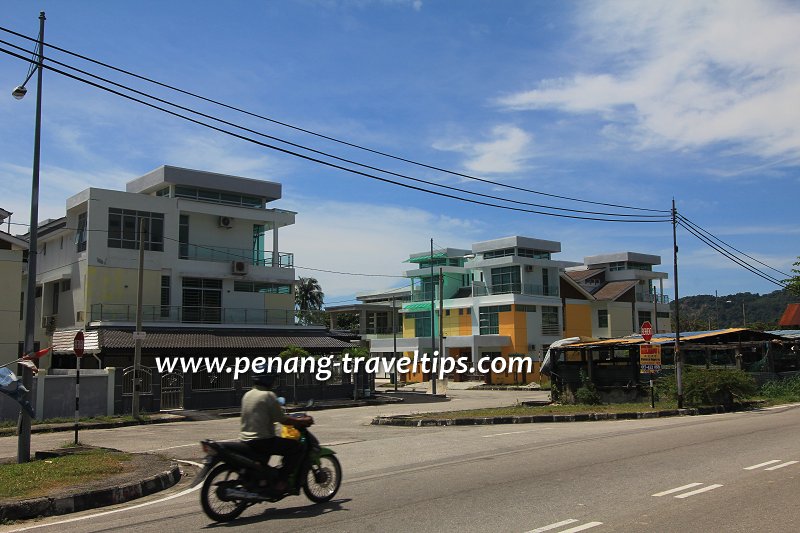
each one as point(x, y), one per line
point(698, 491)
point(781, 465)
point(120, 510)
point(173, 447)
point(513, 432)
point(759, 465)
point(553, 526)
point(582, 527)
point(671, 491)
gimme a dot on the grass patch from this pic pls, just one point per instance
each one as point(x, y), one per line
point(70, 420)
point(39, 478)
point(521, 410)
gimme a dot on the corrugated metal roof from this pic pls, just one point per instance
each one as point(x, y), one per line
point(660, 338)
point(63, 341)
point(417, 306)
point(580, 275)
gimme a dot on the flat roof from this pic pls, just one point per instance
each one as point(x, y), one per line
point(169, 175)
point(516, 241)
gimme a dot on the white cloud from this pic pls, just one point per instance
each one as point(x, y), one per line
point(365, 238)
point(506, 151)
point(687, 74)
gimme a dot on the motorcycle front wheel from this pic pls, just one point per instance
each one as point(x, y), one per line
point(214, 505)
point(323, 480)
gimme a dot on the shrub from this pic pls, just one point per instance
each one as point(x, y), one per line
point(710, 387)
point(587, 393)
point(785, 389)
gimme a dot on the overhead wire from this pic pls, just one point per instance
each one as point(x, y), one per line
point(656, 218)
point(330, 138)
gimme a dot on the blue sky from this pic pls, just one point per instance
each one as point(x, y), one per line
point(631, 103)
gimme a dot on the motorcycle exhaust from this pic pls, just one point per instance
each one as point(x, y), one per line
point(242, 495)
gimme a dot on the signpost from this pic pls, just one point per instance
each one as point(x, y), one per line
point(77, 347)
point(647, 331)
point(649, 358)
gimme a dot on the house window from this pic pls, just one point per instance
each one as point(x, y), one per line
point(505, 280)
point(80, 233)
point(183, 237)
point(165, 296)
point(602, 318)
point(262, 287)
point(202, 300)
point(644, 316)
point(66, 285)
point(550, 325)
point(124, 227)
point(489, 318)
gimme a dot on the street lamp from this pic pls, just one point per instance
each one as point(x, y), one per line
point(744, 315)
point(24, 424)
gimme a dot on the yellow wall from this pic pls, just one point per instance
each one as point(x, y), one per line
point(106, 285)
point(579, 320)
point(11, 330)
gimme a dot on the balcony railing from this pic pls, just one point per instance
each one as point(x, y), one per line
point(515, 288)
point(663, 299)
point(206, 315)
point(223, 254)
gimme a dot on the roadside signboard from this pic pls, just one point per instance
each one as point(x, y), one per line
point(647, 331)
point(649, 358)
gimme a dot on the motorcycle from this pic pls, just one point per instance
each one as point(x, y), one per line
point(234, 477)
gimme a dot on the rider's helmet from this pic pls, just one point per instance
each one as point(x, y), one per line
point(263, 378)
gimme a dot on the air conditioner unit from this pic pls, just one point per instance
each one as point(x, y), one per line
point(225, 222)
point(239, 267)
point(49, 322)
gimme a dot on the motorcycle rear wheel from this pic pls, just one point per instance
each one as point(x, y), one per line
point(221, 477)
point(322, 482)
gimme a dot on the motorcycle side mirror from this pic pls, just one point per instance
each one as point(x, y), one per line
point(310, 403)
point(281, 400)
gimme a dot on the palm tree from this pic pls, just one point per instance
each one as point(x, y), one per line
point(308, 295)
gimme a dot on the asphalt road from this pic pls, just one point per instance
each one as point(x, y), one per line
point(732, 472)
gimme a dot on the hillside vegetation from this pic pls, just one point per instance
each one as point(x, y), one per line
point(761, 311)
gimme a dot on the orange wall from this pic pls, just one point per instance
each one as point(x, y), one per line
point(579, 320)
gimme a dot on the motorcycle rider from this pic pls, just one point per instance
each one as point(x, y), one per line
point(260, 411)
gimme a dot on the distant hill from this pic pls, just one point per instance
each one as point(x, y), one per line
point(761, 311)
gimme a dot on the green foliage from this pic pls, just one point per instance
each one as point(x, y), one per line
point(784, 389)
point(702, 312)
point(793, 283)
point(709, 387)
point(587, 393)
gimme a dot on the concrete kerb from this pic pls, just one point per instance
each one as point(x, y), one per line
point(161, 418)
point(408, 421)
point(73, 503)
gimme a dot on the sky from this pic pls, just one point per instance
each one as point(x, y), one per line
point(632, 104)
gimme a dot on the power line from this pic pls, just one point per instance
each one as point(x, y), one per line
point(695, 226)
point(325, 154)
point(346, 143)
point(730, 256)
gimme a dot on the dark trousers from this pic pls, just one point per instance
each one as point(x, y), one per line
point(289, 449)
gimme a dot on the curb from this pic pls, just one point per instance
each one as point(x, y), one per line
point(70, 426)
point(37, 507)
point(407, 421)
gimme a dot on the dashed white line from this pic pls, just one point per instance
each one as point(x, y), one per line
point(759, 465)
point(582, 527)
point(698, 491)
point(553, 526)
point(788, 463)
point(678, 489)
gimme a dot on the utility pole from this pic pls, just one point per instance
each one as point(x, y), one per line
point(441, 317)
point(394, 343)
point(24, 421)
point(678, 354)
point(433, 321)
point(137, 337)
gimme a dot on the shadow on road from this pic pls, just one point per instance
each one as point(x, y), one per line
point(300, 511)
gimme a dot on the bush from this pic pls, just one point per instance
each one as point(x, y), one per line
point(587, 393)
point(710, 387)
point(784, 389)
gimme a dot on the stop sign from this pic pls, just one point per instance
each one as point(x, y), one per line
point(647, 331)
point(77, 344)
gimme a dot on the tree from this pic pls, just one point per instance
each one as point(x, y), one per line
point(793, 283)
point(308, 295)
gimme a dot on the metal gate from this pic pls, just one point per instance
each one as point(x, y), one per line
point(171, 391)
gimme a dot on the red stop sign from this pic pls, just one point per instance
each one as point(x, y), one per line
point(77, 344)
point(647, 331)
